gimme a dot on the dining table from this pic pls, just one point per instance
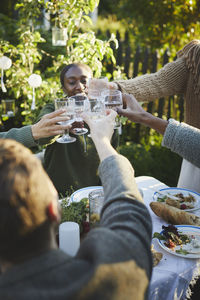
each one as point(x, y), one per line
point(173, 276)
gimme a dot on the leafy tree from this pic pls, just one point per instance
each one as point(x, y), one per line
point(29, 53)
point(156, 23)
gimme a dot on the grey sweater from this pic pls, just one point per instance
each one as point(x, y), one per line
point(184, 140)
point(114, 260)
point(22, 135)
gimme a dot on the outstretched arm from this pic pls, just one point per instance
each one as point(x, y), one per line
point(179, 137)
point(169, 80)
point(125, 221)
point(134, 112)
point(47, 126)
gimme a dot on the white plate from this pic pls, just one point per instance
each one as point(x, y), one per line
point(83, 193)
point(185, 192)
point(185, 229)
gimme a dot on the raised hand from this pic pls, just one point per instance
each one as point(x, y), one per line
point(48, 125)
point(101, 132)
point(102, 128)
point(133, 110)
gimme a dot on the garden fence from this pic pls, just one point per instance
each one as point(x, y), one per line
point(138, 60)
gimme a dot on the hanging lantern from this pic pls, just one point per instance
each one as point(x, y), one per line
point(59, 36)
point(5, 64)
point(34, 81)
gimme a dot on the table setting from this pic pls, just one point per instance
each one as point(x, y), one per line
point(177, 261)
point(174, 272)
point(172, 276)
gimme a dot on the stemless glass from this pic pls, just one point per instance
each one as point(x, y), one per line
point(68, 105)
point(80, 106)
point(99, 84)
point(96, 109)
point(113, 99)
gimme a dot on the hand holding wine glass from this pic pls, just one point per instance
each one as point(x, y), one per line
point(101, 128)
point(101, 133)
point(113, 100)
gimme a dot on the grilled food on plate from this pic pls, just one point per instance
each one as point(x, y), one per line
point(174, 215)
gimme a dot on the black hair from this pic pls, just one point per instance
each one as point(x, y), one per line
point(66, 69)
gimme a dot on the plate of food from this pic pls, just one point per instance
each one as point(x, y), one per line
point(83, 193)
point(180, 240)
point(183, 199)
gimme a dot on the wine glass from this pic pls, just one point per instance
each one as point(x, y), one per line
point(80, 106)
point(113, 99)
point(68, 105)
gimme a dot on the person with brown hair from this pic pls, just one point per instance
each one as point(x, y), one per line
point(181, 76)
point(114, 260)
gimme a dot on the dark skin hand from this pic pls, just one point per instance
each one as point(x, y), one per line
point(134, 112)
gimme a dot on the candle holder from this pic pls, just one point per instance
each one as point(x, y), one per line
point(69, 237)
point(59, 36)
point(8, 108)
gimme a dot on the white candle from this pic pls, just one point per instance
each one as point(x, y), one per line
point(69, 237)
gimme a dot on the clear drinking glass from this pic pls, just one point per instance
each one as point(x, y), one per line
point(68, 105)
point(96, 106)
point(99, 84)
point(113, 99)
point(94, 95)
point(80, 106)
point(96, 200)
point(96, 109)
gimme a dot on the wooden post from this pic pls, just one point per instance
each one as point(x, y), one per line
point(119, 58)
point(127, 55)
point(136, 61)
point(161, 103)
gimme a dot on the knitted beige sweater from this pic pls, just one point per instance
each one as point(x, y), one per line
point(179, 77)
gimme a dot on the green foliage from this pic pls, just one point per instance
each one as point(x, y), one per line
point(75, 212)
point(151, 159)
point(156, 23)
point(63, 10)
point(33, 52)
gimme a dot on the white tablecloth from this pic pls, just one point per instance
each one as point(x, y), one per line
point(171, 277)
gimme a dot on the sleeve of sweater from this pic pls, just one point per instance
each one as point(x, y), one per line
point(125, 229)
point(184, 140)
point(169, 80)
point(22, 135)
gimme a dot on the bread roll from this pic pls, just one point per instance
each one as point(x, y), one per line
point(174, 215)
